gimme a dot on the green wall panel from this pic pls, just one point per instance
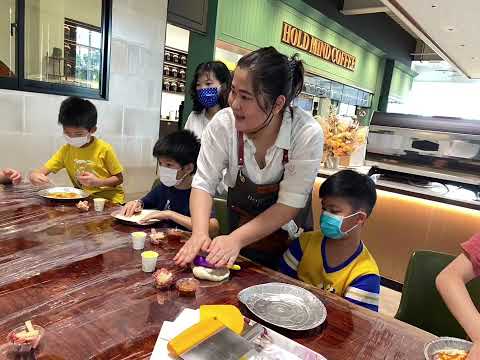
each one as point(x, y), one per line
point(257, 23)
point(402, 80)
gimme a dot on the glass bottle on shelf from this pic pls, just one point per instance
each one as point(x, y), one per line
point(183, 60)
point(166, 70)
point(166, 85)
point(181, 87)
point(182, 74)
point(173, 86)
point(168, 56)
point(175, 58)
point(174, 72)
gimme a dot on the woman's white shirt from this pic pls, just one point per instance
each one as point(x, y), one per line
point(301, 136)
point(197, 122)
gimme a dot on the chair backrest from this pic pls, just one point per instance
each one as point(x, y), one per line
point(221, 213)
point(421, 305)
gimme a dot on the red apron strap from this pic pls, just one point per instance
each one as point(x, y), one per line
point(285, 157)
point(241, 151)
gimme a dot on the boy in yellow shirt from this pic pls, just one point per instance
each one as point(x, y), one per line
point(335, 259)
point(91, 163)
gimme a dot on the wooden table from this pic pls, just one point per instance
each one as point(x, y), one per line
point(77, 275)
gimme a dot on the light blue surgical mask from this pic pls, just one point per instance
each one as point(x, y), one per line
point(331, 225)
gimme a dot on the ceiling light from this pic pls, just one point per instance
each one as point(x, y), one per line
point(434, 6)
point(450, 28)
point(462, 45)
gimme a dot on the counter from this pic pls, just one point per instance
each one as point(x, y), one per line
point(408, 218)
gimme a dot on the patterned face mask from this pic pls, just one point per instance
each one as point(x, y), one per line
point(208, 97)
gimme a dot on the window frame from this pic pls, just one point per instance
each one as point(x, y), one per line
point(20, 83)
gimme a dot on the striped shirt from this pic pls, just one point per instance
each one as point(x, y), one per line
point(357, 279)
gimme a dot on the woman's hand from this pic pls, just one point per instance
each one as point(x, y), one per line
point(191, 248)
point(474, 353)
point(131, 208)
point(223, 251)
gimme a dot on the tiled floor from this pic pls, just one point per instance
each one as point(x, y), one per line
point(389, 301)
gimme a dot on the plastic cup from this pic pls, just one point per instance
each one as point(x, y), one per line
point(99, 204)
point(138, 240)
point(149, 261)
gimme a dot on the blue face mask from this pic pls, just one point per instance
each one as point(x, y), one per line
point(208, 97)
point(331, 225)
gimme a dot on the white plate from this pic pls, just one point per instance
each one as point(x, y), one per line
point(284, 305)
point(47, 193)
point(445, 343)
point(135, 219)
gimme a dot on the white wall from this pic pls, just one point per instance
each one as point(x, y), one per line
point(177, 37)
point(29, 133)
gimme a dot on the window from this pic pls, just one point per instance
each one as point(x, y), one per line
point(56, 46)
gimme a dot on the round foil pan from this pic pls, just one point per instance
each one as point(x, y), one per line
point(46, 193)
point(284, 305)
point(445, 344)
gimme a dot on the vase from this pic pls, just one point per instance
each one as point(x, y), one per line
point(331, 162)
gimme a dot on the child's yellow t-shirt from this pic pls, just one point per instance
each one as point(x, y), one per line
point(357, 279)
point(98, 158)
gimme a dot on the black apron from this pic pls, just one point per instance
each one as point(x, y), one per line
point(245, 201)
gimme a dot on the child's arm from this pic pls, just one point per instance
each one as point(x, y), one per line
point(90, 180)
point(291, 259)
point(182, 220)
point(451, 285)
point(10, 176)
point(39, 176)
point(364, 291)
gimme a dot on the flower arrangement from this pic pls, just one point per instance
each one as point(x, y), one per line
point(342, 136)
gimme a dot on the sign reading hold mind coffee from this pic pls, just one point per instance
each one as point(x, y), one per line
point(309, 43)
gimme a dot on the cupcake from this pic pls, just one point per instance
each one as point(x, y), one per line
point(162, 278)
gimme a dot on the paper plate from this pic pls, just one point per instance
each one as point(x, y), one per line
point(135, 219)
point(287, 306)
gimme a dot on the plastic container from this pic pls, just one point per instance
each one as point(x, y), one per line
point(25, 345)
point(138, 240)
point(187, 286)
point(149, 261)
point(99, 204)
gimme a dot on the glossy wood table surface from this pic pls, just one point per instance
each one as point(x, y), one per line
point(77, 275)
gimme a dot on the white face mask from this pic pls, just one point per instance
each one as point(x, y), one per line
point(77, 141)
point(168, 176)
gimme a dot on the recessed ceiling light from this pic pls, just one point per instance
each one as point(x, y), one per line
point(434, 6)
point(450, 28)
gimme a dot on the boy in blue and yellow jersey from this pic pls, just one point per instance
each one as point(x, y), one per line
point(335, 259)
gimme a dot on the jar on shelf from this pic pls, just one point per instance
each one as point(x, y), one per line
point(182, 74)
point(181, 88)
point(168, 56)
point(166, 70)
point(173, 86)
point(183, 60)
point(175, 58)
point(174, 72)
point(166, 85)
